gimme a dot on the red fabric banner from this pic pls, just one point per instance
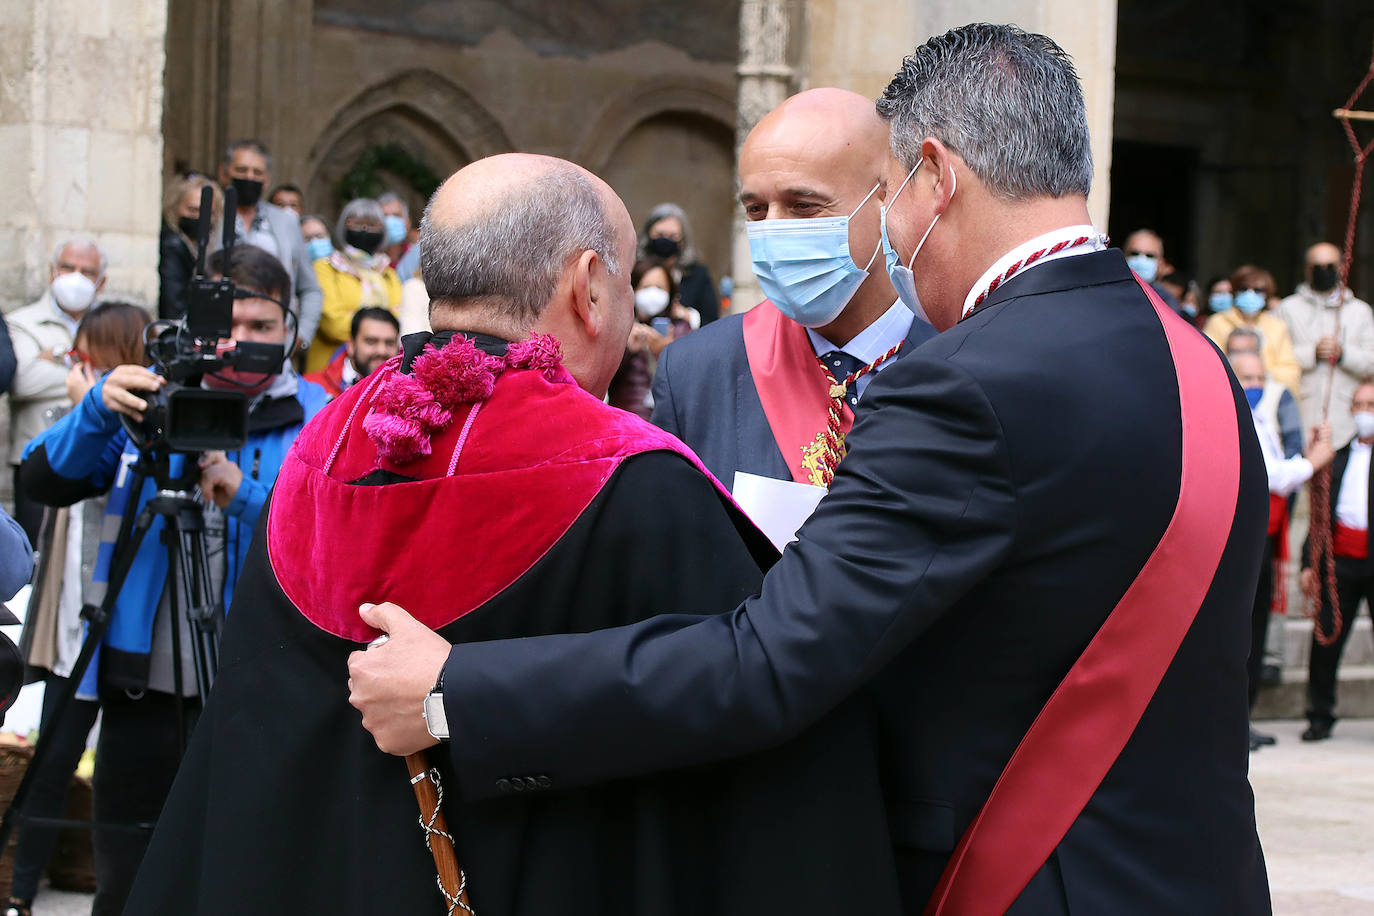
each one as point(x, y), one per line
point(793, 390)
point(1079, 734)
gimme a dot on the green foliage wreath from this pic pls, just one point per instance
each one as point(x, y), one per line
point(364, 179)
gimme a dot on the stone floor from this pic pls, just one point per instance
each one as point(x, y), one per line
point(1315, 804)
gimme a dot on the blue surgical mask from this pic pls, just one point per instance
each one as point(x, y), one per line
point(903, 279)
point(1144, 265)
point(804, 265)
point(1253, 395)
point(1220, 302)
point(1250, 302)
point(319, 248)
point(396, 230)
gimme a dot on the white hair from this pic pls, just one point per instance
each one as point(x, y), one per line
point(81, 242)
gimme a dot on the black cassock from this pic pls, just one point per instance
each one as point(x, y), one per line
point(284, 804)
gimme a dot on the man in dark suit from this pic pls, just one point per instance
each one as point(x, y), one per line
point(724, 390)
point(1041, 549)
point(1350, 513)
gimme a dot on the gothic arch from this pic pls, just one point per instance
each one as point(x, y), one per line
point(628, 110)
point(446, 126)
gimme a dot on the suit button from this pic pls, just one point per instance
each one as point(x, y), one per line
point(503, 785)
point(544, 782)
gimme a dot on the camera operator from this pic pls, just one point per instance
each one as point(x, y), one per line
point(89, 452)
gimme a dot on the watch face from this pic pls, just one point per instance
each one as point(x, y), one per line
point(436, 719)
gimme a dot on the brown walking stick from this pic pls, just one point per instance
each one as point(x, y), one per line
point(453, 883)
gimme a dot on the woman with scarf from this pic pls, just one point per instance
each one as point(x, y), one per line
point(357, 274)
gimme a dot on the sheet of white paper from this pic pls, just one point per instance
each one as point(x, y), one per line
point(777, 507)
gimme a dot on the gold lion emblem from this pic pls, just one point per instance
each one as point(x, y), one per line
point(813, 459)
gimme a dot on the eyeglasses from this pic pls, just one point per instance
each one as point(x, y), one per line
point(75, 357)
point(1142, 254)
point(1251, 289)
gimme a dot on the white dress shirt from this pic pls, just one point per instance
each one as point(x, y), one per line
point(1352, 505)
point(872, 342)
point(1285, 474)
point(1096, 242)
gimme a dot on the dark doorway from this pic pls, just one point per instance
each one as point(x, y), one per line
point(1153, 188)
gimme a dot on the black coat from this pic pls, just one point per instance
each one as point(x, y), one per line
point(284, 804)
point(705, 395)
point(176, 263)
point(1004, 485)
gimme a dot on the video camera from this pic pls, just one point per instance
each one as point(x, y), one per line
point(182, 416)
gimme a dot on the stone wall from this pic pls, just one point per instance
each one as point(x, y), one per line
point(81, 139)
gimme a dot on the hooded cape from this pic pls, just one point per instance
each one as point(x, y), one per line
point(545, 511)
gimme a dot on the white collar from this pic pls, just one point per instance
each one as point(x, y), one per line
point(68, 321)
point(350, 373)
point(1096, 242)
point(890, 329)
point(1357, 446)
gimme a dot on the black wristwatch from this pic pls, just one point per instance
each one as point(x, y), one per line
point(436, 719)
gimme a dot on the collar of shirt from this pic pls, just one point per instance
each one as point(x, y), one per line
point(1096, 242)
point(873, 341)
point(350, 374)
point(68, 321)
point(1356, 446)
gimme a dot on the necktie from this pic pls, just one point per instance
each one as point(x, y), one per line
point(841, 366)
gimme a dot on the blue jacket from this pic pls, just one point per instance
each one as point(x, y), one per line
point(88, 452)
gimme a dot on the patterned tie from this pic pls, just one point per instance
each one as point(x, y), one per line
point(841, 366)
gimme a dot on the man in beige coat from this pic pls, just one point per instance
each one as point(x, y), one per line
point(1311, 317)
point(43, 332)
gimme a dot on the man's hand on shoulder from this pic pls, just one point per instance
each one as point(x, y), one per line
point(117, 391)
point(388, 684)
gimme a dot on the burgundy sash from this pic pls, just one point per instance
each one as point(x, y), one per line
point(1079, 734)
point(792, 387)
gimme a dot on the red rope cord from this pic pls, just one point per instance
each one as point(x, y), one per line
point(1320, 553)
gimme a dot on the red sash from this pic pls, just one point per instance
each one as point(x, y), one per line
point(1079, 734)
point(792, 388)
point(1351, 543)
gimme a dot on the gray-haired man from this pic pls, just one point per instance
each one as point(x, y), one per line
point(42, 333)
point(247, 168)
point(983, 547)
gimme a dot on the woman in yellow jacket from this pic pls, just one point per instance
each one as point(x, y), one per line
point(357, 274)
point(1252, 288)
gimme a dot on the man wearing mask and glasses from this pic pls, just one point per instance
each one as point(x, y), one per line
point(1312, 317)
point(247, 168)
point(1040, 551)
point(772, 393)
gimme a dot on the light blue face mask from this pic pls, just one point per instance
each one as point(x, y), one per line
point(1220, 302)
point(396, 230)
point(319, 248)
point(1146, 266)
point(1250, 301)
point(903, 280)
point(804, 266)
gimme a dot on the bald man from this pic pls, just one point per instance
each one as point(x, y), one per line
point(753, 393)
point(480, 476)
point(1311, 313)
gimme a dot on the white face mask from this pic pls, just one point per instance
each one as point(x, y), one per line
point(74, 291)
point(1364, 424)
point(651, 301)
point(903, 279)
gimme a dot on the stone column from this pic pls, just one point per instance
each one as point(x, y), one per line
point(1086, 29)
point(81, 139)
point(767, 76)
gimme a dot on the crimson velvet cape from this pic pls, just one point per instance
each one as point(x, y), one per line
point(561, 515)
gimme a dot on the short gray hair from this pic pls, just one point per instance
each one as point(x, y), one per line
point(1008, 102)
point(688, 254)
point(357, 208)
point(80, 241)
point(387, 197)
point(256, 146)
point(1243, 333)
point(514, 256)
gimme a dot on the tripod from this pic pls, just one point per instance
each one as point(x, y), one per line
point(188, 579)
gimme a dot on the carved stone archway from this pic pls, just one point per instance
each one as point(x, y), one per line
point(710, 100)
point(434, 119)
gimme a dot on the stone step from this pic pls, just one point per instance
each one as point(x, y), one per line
point(1288, 699)
point(1290, 639)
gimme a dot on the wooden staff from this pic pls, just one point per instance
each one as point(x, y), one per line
point(452, 882)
